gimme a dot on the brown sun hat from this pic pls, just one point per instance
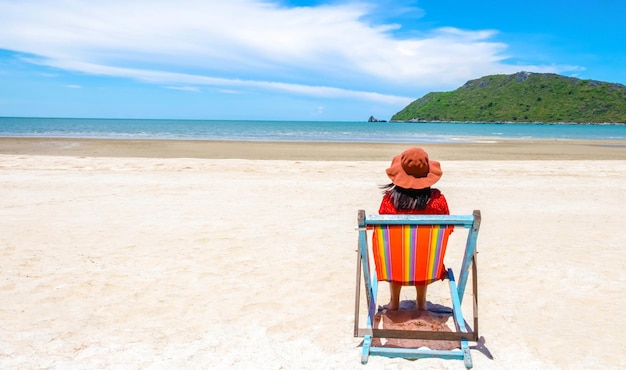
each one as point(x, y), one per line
point(413, 170)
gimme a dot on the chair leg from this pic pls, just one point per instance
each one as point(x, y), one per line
point(467, 357)
point(458, 319)
point(365, 353)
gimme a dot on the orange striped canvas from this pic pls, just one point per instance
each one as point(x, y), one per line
point(410, 254)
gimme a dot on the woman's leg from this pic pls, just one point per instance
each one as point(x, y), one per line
point(421, 297)
point(394, 290)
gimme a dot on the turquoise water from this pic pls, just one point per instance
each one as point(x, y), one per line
point(318, 131)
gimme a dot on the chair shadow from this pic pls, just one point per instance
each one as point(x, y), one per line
point(408, 317)
point(482, 348)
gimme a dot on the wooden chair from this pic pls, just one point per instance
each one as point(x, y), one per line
point(407, 249)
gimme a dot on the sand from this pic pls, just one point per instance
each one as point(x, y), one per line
point(319, 151)
point(177, 259)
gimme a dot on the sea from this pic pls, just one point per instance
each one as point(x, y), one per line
point(300, 131)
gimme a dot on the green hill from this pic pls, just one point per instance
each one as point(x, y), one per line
point(523, 97)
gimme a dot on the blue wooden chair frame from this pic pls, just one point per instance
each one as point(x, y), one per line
point(464, 333)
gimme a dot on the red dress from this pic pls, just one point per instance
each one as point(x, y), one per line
point(437, 205)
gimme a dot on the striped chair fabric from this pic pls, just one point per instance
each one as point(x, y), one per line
point(410, 254)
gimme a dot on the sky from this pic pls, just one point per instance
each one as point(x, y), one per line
point(286, 59)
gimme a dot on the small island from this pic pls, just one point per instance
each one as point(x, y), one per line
point(374, 119)
point(523, 97)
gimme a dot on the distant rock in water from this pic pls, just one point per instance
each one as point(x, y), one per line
point(523, 97)
point(374, 119)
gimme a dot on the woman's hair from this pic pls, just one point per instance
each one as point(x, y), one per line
point(407, 199)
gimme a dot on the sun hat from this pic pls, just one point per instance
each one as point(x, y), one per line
point(413, 170)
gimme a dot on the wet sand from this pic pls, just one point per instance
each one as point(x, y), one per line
point(488, 150)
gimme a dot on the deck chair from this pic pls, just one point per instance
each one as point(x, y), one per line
point(411, 248)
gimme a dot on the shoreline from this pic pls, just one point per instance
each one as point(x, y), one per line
point(412, 120)
point(514, 122)
point(485, 149)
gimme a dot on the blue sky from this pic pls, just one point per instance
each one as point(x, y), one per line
point(286, 60)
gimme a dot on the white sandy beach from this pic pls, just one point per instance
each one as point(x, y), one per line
point(159, 263)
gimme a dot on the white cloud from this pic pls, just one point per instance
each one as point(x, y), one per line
point(73, 86)
point(228, 91)
point(184, 88)
point(325, 50)
point(184, 78)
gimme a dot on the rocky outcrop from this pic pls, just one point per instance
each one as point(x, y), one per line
point(374, 119)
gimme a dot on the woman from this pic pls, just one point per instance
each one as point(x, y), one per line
point(412, 174)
